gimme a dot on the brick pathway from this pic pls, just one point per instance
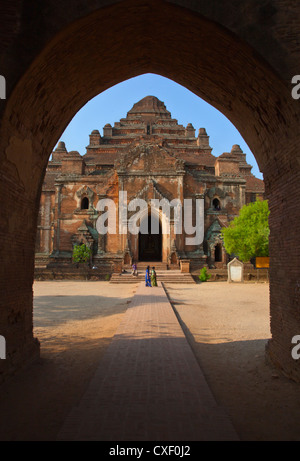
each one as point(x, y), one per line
point(148, 386)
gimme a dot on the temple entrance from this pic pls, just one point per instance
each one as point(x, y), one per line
point(150, 245)
point(218, 253)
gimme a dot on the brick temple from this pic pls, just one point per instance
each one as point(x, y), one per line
point(150, 156)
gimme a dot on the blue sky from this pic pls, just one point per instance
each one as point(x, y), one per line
point(114, 103)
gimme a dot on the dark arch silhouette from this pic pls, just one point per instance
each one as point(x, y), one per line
point(216, 204)
point(214, 55)
point(218, 252)
point(85, 203)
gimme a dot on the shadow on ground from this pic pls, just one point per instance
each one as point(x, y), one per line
point(57, 309)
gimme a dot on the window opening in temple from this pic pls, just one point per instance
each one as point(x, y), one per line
point(216, 204)
point(85, 203)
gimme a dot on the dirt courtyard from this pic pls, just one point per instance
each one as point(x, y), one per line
point(227, 326)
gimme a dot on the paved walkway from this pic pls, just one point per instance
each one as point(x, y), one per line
point(148, 386)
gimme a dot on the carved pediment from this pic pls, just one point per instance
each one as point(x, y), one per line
point(152, 190)
point(215, 228)
point(84, 234)
point(85, 191)
point(213, 234)
point(148, 158)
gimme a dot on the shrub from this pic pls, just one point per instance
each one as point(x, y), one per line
point(81, 254)
point(204, 275)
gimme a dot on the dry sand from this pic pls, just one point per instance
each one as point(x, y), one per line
point(227, 326)
point(74, 322)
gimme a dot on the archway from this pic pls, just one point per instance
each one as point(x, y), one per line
point(85, 203)
point(216, 204)
point(218, 253)
point(150, 244)
point(73, 59)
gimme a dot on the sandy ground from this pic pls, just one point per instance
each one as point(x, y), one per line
point(227, 326)
point(74, 322)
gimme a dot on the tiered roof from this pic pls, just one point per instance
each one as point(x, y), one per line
point(149, 120)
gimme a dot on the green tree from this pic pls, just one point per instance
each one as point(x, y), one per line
point(247, 235)
point(81, 253)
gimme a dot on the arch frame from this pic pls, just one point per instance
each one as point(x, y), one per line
point(78, 60)
point(164, 223)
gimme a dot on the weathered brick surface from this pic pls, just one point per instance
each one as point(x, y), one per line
point(284, 272)
point(164, 160)
point(16, 277)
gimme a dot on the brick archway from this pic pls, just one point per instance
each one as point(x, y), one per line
point(66, 62)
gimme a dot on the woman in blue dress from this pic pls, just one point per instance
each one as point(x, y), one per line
point(147, 277)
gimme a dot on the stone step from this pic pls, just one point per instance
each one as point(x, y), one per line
point(143, 265)
point(162, 276)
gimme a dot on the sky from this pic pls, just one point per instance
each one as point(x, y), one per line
point(114, 103)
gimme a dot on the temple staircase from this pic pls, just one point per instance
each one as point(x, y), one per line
point(163, 274)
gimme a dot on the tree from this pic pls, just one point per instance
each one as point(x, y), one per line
point(247, 235)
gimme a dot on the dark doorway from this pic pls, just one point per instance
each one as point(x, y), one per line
point(150, 245)
point(85, 203)
point(218, 253)
point(216, 204)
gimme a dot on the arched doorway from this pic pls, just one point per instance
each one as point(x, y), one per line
point(85, 203)
point(150, 244)
point(218, 253)
point(73, 59)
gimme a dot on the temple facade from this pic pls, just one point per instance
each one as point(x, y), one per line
point(146, 158)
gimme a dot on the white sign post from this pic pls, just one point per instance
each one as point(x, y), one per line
point(235, 271)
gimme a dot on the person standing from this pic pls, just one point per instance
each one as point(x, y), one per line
point(153, 277)
point(134, 269)
point(147, 277)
